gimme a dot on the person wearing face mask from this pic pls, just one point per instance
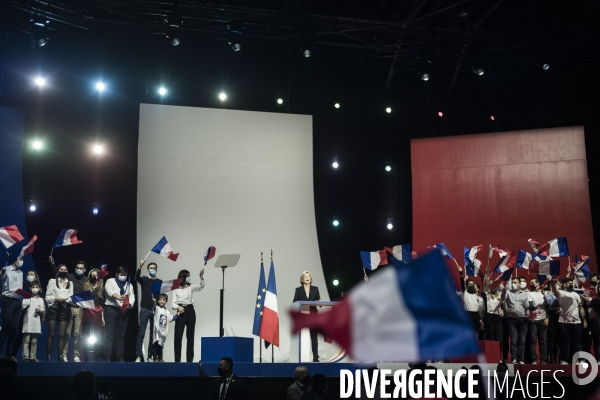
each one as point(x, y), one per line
point(92, 322)
point(297, 389)
point(183, 303)
point(494, 314)
point(472, 306)
point(590, 334)
point(569, 319)
point(58, 295)
point(553, 333)
point(34, 312)
point(228, 386)
point(12, 280)
point(538, 325)
point(147, 306)
point(30, 278)
point(119, 300)
point(516, 311)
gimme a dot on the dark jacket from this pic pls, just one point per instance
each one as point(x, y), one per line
point(295, 392)
point(237, 390)
point(313, 295)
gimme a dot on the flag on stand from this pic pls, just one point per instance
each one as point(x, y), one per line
point(67, 237)
point(443, 249)
point(372, 260)
point(269, 327)
point(25, 294)
point(507, 260)
point(9, 235)
point(102, 272)
point(159, 287)
point(210, 253)
point(28, 248)
point(388, 318)
point(84, 300)
point(402, 252)
point(471, 262)
point(260, 301)
point(555, 248)
point(164, 249)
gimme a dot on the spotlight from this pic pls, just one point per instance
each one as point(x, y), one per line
point(92, 339)
point(440, 114)
point(95, 209)
point(390, 226)
point(222, 96)
point(492, 118)
point(335, 282)
point(100, 86)
point(41, 82)
point(335, 164)
point(98, 149)
point(337, 105)
point(306, 53)
point(336, 222)
point(307, 46)
point(388, 110)
point(480, 71)
point(41, 42)
point(162, 91)
point(32, 206)
point(236, 32)
point(388, 168)
point(37, 144)
point(425, 77)
point(279, 101)
point(173, 30)
point(175, 41)
point(236, 46)
point(546, 67)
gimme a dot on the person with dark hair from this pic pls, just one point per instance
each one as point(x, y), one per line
point(308, 292)
point(472, 304)
point(58, 294)
point(318, 388)
point(569, 319)
point(12, 280)
point(516, 310)
point(84, 386)
point(30, 278)
point(183, 303)
point(34, 311)
point(538, 326)
point(229, 386)
point(8, 373)
point(590, 333)
point(297, 389)
point(162, 317)
point(74, 324)
point(147, 304)
point(119, 300)
point(92, 322)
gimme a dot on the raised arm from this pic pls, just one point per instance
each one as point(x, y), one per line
point(53, 266)
point(138, 273)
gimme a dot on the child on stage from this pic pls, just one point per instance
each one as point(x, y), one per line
point(162, 317)
point(35, 311)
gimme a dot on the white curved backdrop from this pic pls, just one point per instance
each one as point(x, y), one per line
point(242, 182)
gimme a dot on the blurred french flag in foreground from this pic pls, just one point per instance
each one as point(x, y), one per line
point(402, 252)
point(389, 319)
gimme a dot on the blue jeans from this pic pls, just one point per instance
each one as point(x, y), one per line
point(145, 317)
point(517, 327)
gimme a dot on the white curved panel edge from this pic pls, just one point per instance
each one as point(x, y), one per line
point(237, 180)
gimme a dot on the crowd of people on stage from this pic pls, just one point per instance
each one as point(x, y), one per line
point(551, 317)
point(23, 317)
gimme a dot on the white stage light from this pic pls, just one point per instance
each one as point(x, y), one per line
point(307, 53)
point(95, 209)
point(425, 77)
point(32, 207)
point(92, 339)
point(388, 168)
point(480, 71)
point(222, 96)
point(280, 101)
point(100, 86)
point(546, 67)
point(41, 82)
point(336, 282)
point(37, 144)
point(390, 226)
point(337, 105)
point(98, 149)
point(336, 222)
point(335, 164)
point(162, 91)
point(388, 110)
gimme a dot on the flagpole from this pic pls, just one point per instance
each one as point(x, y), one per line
point(51, 251)
point(147, 255)
point(260, 344)
point(272, 345)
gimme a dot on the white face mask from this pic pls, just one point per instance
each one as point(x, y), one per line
point(19, 263)
point(30, 278)
point(501, 288)
point(79, 272)
point(187, 279)
point(34, 291)
point(522, 285)
point(122, 278)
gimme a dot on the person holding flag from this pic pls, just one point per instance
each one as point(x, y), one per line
point(516, 305)
point(92, 322)
point(119, 300)
point(183, 303)
point(11, 278)
point(308, 292)
point(147, 305)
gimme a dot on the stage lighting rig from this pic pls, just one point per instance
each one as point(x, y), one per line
point(173, 29)
point(235, 36)
point(39, 31)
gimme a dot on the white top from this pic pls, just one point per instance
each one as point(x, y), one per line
point(493, 306)
point(538, 300)
point(32, 321)
point(12, 279)
point(182, 296)
point(111, 288)
point(471, 301)
point(162, 317)
point(58, 289)
point(569, 303)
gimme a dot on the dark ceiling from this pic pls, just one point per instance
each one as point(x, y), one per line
point(366, 55)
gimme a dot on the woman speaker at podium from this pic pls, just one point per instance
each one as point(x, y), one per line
point(308, 292)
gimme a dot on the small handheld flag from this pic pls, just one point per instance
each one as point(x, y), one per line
point(9, 235)
point(372, 260)
point(443, 250)
point(24, 293)
point(507, 260)
point(160, 287)
point(210, 253)
point(102, 272)
point(126, 303)
point(164, 249)
point(402, 252)
point(554, 248)
point(84, 300)
point(67, 237)
point(28, 248)
point(471, 262)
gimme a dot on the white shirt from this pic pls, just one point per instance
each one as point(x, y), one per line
point(471, 301)
point(569, 303)
point(162, 317)
point(12, 280)
point(182, 296)
point(538, 300)
point(58, 290)
point(111, 288)
point(32, 321)
point(493, 306)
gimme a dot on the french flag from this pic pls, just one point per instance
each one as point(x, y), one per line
point(103, 271)
point(581, 269)
point(389, 319)
point(126, 303)
point(507, 260)
point(25, 294)
point(443, 249)
point(67, 237)
point(159, 286)
point(84, 300)
point(505, 278)
point(402, 252)
point(269, 327)
point(9, 235)
point(471, 261)
point(524, 259)
point(210, 253)
point(544, 267)
point(164, 249)
point(555, 248)
point(28, 248)
point(372, 260)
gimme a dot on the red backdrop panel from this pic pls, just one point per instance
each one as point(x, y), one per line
point(502, 188)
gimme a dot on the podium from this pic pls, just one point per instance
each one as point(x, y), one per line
point(304, 345)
